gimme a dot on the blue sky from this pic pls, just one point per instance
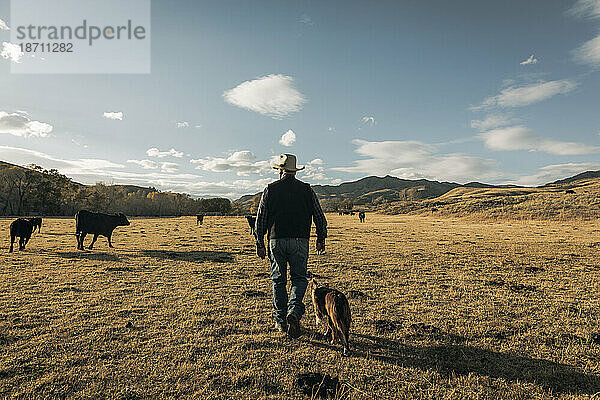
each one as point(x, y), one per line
point(498, 92)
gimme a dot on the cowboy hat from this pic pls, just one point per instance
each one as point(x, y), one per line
point(287, 162)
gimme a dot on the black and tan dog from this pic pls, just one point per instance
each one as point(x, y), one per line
point(332, 307)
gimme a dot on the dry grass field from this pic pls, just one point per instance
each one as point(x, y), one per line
point(442, 308)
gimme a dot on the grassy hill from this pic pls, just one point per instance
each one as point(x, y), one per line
point(551, 201)
point(392, 195)
point(32, 190)
point(375, 190)
point(127, 188)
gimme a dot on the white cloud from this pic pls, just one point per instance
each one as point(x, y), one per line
point(315, 173)
point(522, 138)
point(145, 164)
point(90, 171)
point(288, 138)
point(417, 160)
point(272, 95)
point(78, 143)
point(3, 26)
point(114, 115)
point(183, 124)
point(529, 61)
point(242, 156)
point(94, 164)
point(19, 124)
point(589, 52)
point(154, 152)
point(490, 122)
point(23, 156)
point(306, 20)
point(11, 51)
point(331, 129)
point(551, 173)
point(241, 162)
point(519, 96)
point(512, 138)
point(368, 120)
point(169, 167)
point(586, 9)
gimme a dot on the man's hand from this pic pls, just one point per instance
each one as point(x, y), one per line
point(320, 247)
point(261, 252)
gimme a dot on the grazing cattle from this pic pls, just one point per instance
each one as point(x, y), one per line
point(341, 213)
point(252, 222)
point(21, 228)
point(199, 219)
point(346, 212)
point(98, 224)
point(570, 191)
point(37, 223)
point(361, 216)
point(352, 213)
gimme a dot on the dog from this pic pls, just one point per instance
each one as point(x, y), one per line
point(332, 307)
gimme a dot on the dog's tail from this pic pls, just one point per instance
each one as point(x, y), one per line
point(340, 316)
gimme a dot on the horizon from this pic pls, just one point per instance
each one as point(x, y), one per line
point(322, 185)
point(469, 92)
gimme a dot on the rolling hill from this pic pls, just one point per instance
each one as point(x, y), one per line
point(577, 197)
point(127, 188)
point(374, 189)
point(391, 195)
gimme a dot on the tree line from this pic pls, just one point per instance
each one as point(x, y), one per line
point(32, 190)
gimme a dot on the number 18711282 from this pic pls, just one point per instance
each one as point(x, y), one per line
point(34, 47)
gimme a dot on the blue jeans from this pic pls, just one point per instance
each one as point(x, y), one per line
point(292, 251)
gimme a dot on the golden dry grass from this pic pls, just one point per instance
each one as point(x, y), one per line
point(546, 203)
point(452, 309)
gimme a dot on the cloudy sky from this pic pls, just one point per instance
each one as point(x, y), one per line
point(498, 92)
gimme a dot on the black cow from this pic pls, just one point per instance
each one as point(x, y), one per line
point(37, 223)
point(569, 191)
point(252, 222)
point(98, 224)
point(21, 228)
point(361, 216)
point(199, 219)
point(340, 213)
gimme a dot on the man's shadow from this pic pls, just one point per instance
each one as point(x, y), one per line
point(456, 358)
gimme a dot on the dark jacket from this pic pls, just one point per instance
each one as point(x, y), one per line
point(287, 209)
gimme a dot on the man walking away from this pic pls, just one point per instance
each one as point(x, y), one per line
point(284, 214)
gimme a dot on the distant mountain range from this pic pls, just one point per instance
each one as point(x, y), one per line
point(375, 189)
point(578, 177)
